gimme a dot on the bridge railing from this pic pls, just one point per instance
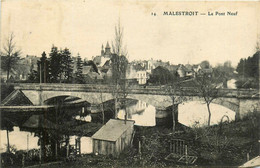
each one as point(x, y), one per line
point(132, 89)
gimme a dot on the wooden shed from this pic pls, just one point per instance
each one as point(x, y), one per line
point(113, 137)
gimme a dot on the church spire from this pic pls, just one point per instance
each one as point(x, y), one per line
point(107, 49)
point(102, 50)
point(107, 46)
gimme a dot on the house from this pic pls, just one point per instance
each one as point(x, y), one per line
point(207, 70)
point(136, 73)
point(141, 77)
point(183, 71)
point(113, 137)
point(196, 68)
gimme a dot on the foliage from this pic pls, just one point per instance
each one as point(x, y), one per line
point(12, 148)
point(225, 70)
point(55, 64)
point(248, 69)
point(20, 158)
point(33, 75)
point(79, 76)
point(43, 69)
point(58, 68)
point(6, 89)
point(205, 64)
point(246, 83)
point(227, 143)
point(119, 65)
point(66, 62)
point(161, 76)
point(9, 55)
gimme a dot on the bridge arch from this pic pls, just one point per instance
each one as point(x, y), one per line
point(230, 103)
point(40, 97)
point(65, 99)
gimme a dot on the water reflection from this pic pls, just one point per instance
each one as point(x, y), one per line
point(21, 139)
point(231, 84)
point(142, 113)
point(189, 113)
point(196, 112)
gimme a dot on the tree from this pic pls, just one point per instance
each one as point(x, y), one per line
point(207, 87)
point(176, 92)
point(161, 76)
point(226, 71)
point(55, 64)
point(79, 76)
point(67, 62)
point(32, 77)
point(248, 72)
point(119, 66)
point(205, 64)
point(118, 46)
point(9, 55)
point(43, 69)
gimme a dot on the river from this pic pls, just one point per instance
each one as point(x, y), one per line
point(143, 114)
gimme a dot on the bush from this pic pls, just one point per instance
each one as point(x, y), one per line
point(247, 83)
point(227, 143)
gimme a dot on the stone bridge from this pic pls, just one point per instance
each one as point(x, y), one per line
point(239, 101)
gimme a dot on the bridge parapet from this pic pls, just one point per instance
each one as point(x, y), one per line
point(241, 101)
point(154, 90)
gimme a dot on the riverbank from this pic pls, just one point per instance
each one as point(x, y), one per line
point(226, 144)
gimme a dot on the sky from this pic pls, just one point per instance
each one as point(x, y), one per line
point(84, 25)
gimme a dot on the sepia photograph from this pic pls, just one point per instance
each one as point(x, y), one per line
point(129, 84)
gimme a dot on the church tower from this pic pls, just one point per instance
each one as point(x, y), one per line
point(107, 49)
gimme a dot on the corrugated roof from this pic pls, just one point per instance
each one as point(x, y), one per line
point(112, 130)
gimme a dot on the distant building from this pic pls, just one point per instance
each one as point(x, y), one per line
point(193, 70)
point(141, 77)
point(182, 71)
point(207, 70)
point(196, 68)
point(136, 71)
point(113, 137)
point(22, 69)
point(105, 56)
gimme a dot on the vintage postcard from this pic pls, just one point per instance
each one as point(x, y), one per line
point(113, 83)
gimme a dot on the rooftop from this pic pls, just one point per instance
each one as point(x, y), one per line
point(112, 130)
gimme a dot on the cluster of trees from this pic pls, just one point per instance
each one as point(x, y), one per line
point(162, 76)
point(57, 68)
point(226, 70)
point(248, 72)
